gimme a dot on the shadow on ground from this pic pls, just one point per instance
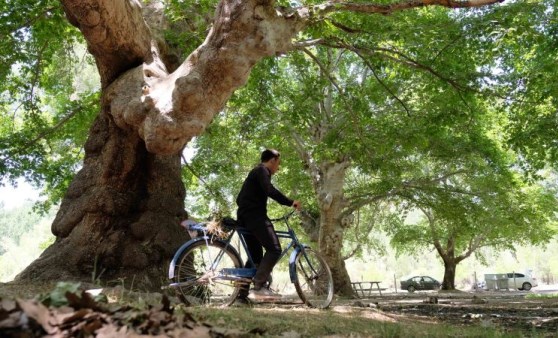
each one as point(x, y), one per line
point(528, 311)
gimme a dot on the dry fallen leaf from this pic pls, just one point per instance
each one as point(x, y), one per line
point(85, 317)
point(38, 312)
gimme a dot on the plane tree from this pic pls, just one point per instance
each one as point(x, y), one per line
point(464, 186)
point(361, 137)
point(156, 91)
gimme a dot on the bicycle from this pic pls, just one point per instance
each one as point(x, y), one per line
point(208, 270)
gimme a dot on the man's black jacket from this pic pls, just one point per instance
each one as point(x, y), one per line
point(252, 199)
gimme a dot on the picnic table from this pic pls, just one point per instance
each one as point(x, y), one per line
point(365, 289)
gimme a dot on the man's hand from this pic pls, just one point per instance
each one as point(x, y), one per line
point(296, 205)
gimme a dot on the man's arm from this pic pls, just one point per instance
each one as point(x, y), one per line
point(264, 179)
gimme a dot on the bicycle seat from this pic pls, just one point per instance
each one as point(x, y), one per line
point(229, 223)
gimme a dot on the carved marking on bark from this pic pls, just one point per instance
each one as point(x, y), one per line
point(93, 18)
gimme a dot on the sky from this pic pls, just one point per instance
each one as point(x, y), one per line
point(11, 197)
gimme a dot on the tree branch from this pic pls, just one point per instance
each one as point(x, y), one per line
point(352, 253)
point(58, 125)
point(474, 244)
point(367, 230)
point(358, 201)
point(29, 22)
point(369, 65)
point(402, 59)
point(346, 29)
point(217, 194)
point(435, 238)
point(324, 70)
point(386, 9)
point(302, 45)
point(117, 35)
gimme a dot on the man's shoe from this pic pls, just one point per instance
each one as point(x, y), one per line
point(263, 294)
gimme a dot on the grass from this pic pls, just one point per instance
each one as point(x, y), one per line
point(541, 296)
point(340, 321)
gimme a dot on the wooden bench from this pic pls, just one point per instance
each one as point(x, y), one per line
point(365, 289)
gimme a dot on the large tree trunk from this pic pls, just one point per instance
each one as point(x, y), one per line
point(119, 220)
point(447, 253)
point(331, 203)
point(450, 262)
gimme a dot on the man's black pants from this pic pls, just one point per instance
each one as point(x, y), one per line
point(262, 236)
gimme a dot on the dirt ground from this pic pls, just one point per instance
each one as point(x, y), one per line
point(527, 311)
point(533, 312)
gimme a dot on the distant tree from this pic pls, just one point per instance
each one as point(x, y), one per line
point(17, 221)
point(473, 210)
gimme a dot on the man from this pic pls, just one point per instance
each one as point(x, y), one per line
point(252, 214)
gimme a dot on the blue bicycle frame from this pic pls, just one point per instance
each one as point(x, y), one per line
point(239, 274)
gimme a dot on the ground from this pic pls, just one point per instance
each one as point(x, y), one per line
point(505, 309)
point(530, 313)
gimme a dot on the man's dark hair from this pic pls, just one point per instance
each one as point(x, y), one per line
point(268, 154)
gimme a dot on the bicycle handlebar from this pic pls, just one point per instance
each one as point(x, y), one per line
point(201, 226)
point(284, 217)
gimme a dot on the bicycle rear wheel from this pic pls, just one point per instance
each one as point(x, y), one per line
point(200, 283)
point(313, 282)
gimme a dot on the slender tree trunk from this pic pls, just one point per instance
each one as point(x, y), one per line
point(331, 203)
point(450, 267)
point(119, 220)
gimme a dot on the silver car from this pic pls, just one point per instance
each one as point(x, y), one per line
point(521, 282)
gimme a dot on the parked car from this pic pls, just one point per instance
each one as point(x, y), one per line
point(521, 282)
point(420, 283)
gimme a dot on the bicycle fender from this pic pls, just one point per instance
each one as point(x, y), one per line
point(179, 252)
point(292, 266)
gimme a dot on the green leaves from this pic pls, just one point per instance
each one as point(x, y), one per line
point(48, 96)
point(57, 296)
point(413, 101)
point(527, 62)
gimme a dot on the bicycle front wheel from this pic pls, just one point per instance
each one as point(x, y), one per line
point(313, 282)
point(198, 274)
